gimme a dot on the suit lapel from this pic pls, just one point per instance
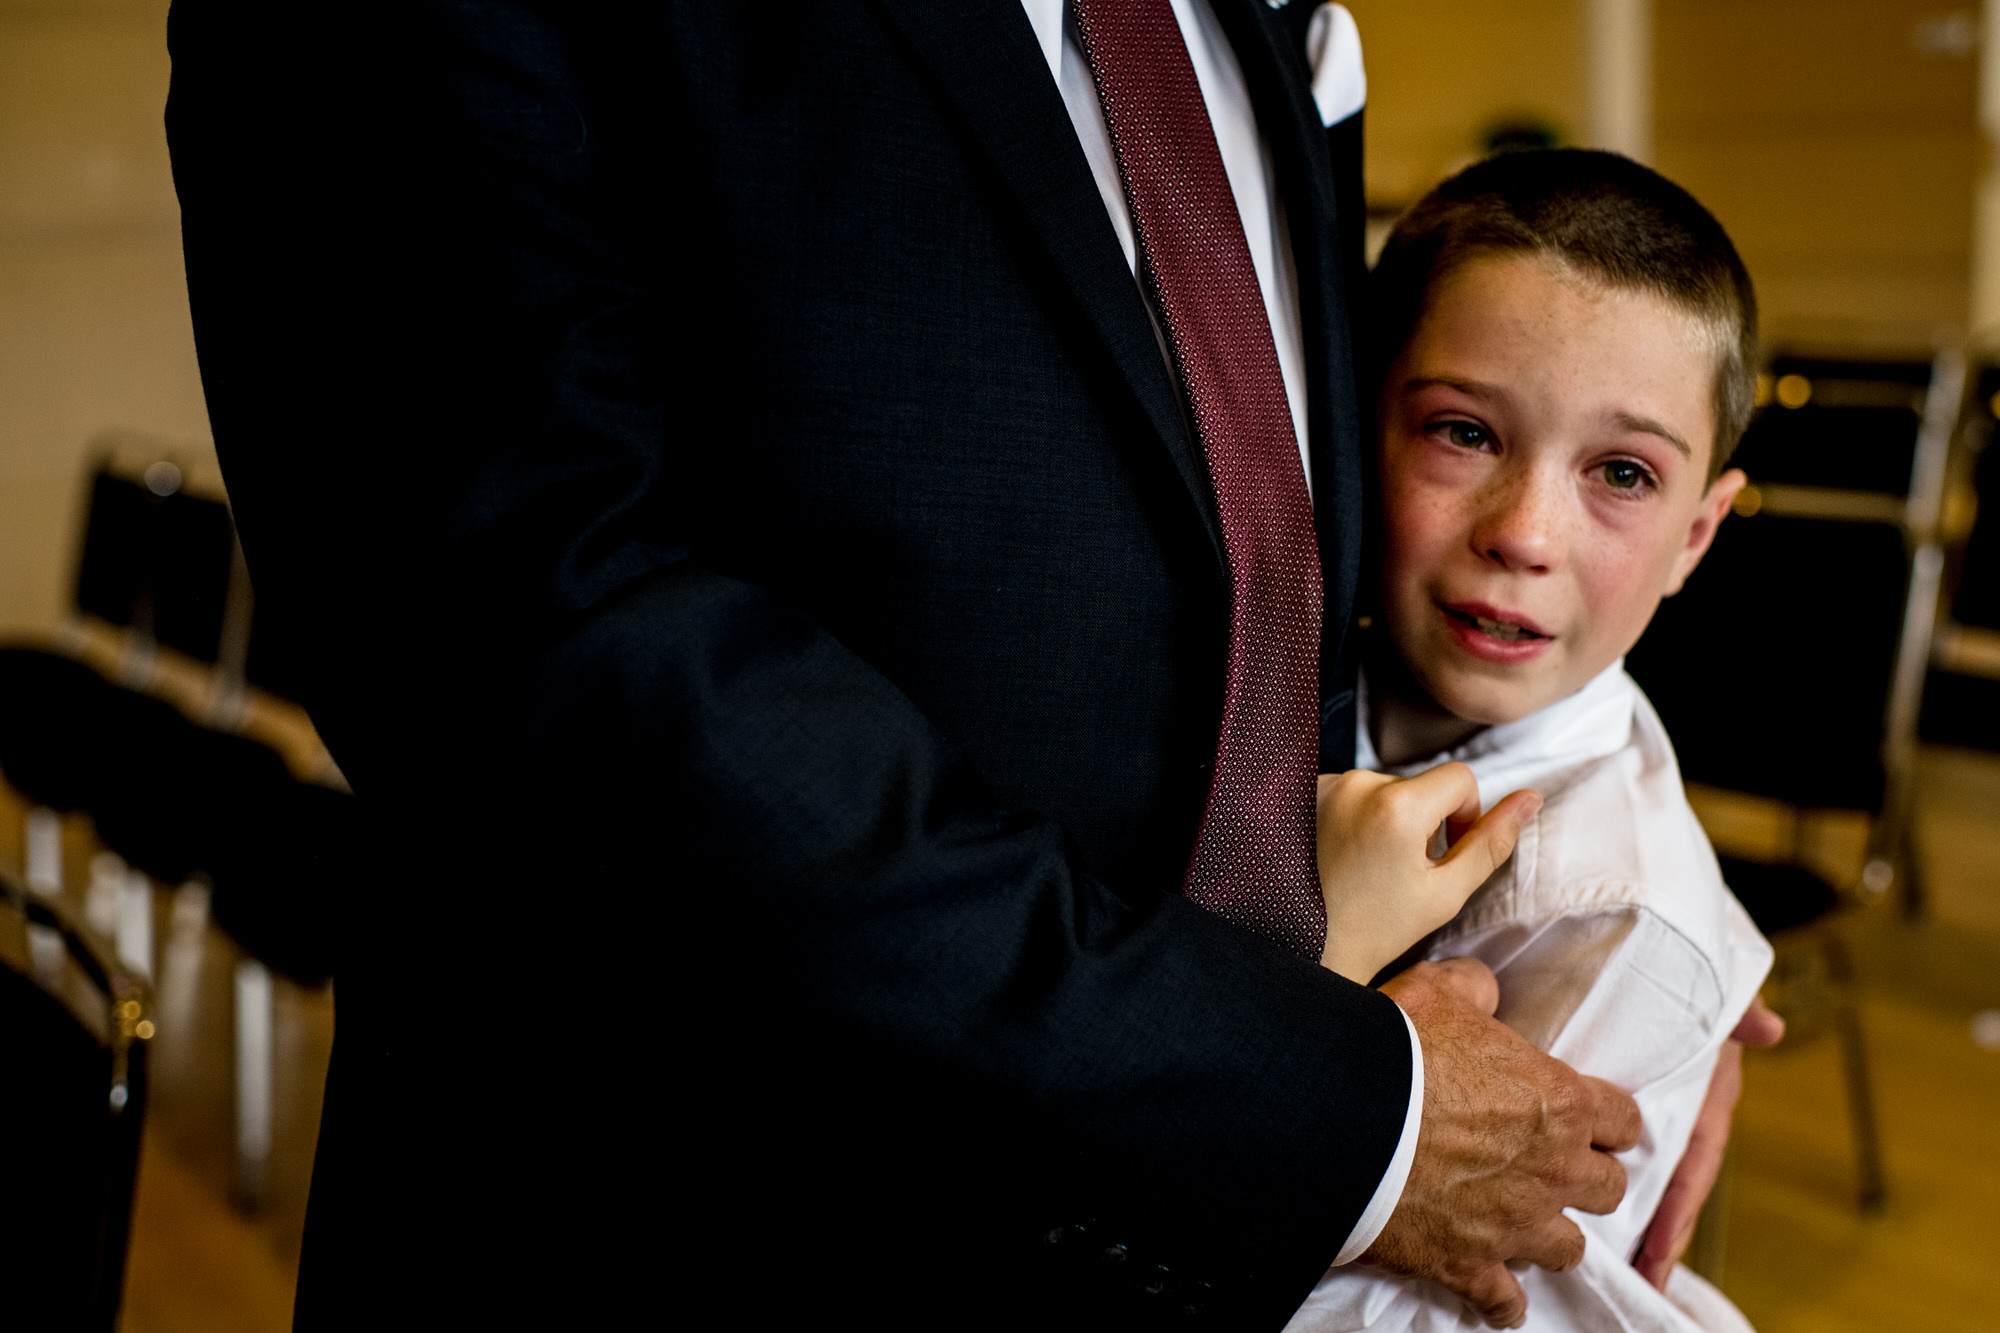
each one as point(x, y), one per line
point(985, 63)
point(983, 58)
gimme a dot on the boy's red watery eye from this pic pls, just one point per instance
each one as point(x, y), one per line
point(1465, 435)
point(1624, 476)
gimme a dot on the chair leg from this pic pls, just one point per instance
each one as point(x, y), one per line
point(1915, 904)
point(253, 1081)
point(1854, 1065)
point(43, 830)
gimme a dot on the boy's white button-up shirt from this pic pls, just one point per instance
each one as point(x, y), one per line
point(1618, 950)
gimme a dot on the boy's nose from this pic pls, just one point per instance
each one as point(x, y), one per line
point(1520, 527)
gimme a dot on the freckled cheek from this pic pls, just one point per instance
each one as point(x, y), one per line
point(1418, 528)
point(1621, 592)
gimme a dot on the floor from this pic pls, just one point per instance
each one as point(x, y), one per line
point(1799, 1257)
point(1797, 1254)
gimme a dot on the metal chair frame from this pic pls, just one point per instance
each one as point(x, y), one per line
point(223, 709)
point(126, 1021)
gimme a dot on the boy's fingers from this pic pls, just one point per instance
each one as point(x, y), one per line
point(1759, 1026)
point(1356, 784)
point(1490, 841)
point(1447, 795)
point(1673, 1221)
point(1663, 1248)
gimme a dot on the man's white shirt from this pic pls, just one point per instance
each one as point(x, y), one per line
point(1340, 88)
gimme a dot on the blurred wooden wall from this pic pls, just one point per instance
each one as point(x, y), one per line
point(1836, 139)
point(95, 343)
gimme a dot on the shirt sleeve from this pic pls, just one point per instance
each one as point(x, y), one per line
point(1390, 1192)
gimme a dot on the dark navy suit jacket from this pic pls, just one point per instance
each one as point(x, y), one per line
point(710, 472)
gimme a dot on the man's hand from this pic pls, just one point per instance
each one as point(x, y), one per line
point(1383, 890)
point(1509, 1138)
point(1672, 1227)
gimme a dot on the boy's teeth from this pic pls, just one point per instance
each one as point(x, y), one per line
point(1500, 629)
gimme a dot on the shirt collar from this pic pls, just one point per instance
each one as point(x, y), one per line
point(1534, 752)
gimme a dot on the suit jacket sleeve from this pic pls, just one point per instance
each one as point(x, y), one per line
point(471, 349)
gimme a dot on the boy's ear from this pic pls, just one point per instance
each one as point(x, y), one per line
point(1714, 508)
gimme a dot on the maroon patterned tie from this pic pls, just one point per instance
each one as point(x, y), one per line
point(1253, 860)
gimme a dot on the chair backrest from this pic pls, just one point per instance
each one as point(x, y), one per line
point(1782, 668)
point(1977, 599)
point(1962, 693)
point(74, 1029)
point(174, 798)
point(1847, 425)
point(158, 560)
point(1771, 668)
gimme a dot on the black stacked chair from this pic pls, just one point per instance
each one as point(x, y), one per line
point(174, 797)
point(1791, 665)
point(1962, 695)
point(1977, 598)
point(74, 1028)
point(158, 561)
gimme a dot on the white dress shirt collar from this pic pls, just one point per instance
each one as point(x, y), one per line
point(1594, 722)
point(1339, 86)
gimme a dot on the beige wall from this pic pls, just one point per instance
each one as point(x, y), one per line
point(1440, 71)
point(1840, 155)
point(94, 334)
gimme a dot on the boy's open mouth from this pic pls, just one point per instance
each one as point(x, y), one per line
point(1495, 629)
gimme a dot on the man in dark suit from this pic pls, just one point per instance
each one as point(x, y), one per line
point(724, 498)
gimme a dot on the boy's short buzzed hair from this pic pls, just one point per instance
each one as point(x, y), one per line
point(1599, 214)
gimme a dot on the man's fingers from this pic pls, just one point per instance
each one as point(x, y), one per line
point(1600, 1187)
point(1614, 1124)
point(1759, 1026)
point(1490, 841)
point(1496, 1296)
point(1466, 980)
point(1557, 1246)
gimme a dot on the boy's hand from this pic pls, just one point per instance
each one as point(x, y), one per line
point(1383, 890)
point(1672, 1227)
